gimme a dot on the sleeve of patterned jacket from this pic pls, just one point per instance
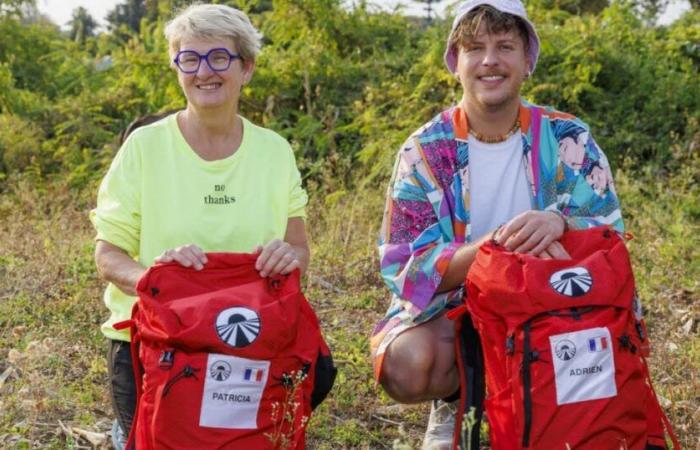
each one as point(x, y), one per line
point(584, 182)
point(416, 238)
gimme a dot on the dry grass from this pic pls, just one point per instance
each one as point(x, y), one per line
point(52, 365)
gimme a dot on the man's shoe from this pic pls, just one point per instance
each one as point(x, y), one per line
point(441, 426)
point(118, 437)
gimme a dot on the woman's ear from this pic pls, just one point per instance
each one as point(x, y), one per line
point(248, 69)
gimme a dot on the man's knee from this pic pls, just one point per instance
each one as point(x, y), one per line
point(406, 374)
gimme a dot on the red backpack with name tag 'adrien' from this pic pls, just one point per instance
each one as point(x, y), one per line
point(224, 358)
point(564, 347)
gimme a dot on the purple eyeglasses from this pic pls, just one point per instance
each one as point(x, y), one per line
point(218, 60)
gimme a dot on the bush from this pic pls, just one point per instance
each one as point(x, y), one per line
point(20, 143)
point(637, 86)
point(346, 87)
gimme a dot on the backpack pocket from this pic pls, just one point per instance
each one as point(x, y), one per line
point(594, 281)
point(499, 409)
point(212, 401)
point(579, 383)
point(251, 320)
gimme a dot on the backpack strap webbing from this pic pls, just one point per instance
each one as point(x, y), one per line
point(662, 414)
point(470, 364)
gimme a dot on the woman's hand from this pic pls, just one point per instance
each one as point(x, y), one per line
point(187, 256)
point(276, 257)
point(532, 232)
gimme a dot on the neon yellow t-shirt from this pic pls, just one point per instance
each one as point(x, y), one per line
point(159, 194)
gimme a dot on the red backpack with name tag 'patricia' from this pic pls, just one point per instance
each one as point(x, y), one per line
point(564, 347)
point(224, 358)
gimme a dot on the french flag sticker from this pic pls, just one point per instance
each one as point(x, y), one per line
point(253, 375)
point(598, 344)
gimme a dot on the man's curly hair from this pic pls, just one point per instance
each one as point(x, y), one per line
point(495, 21)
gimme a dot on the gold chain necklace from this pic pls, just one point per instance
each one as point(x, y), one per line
point(498, 138)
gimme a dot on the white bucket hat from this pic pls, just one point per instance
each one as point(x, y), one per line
point(513, 7)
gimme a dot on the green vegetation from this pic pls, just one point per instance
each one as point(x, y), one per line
point(345, 87)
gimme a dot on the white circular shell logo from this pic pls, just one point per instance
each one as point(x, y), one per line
point(572, 282)
point(238, 327)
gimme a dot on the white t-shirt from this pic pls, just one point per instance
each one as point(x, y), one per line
point(497, 184)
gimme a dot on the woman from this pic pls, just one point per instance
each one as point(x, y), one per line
point(204, 179)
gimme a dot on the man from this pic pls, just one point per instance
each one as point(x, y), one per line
point(493, 166)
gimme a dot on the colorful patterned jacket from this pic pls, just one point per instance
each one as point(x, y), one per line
point(427, 211)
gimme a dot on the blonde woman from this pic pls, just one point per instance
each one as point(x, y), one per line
point(203, 179)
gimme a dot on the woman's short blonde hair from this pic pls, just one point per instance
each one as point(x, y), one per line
point(214, 22)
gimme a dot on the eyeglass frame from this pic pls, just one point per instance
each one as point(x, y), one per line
point(231, 57)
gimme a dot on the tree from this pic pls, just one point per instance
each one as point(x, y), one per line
point(259, 6)
point(128, 14)
point(167, 8)
point(651, 9)
point(577, 7)
point(82, 25)
point(17, 7)
point(428, 7)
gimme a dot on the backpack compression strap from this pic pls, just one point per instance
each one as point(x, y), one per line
point(664, 418)
point(138, 373)
point(470, 364)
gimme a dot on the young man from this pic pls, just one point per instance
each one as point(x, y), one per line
point(469, 175)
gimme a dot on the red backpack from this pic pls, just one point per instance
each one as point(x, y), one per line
point(563, 347)
point(224, 358)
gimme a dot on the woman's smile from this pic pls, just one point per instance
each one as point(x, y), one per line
point(208, 86)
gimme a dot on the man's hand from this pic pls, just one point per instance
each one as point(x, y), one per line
point(276, 257)
point(187, 256)
point(533, 232)
point(554, 251)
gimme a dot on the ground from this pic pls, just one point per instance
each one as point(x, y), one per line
point(53, 391)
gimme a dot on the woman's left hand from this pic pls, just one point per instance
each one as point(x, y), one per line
point(275, 258)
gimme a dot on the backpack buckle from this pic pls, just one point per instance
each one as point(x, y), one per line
point(166, 360)
point(640, 331)
point(510, 345)
point(276, 282)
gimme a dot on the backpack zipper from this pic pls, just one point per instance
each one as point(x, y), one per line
point(187, 371)
point(530, 356)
